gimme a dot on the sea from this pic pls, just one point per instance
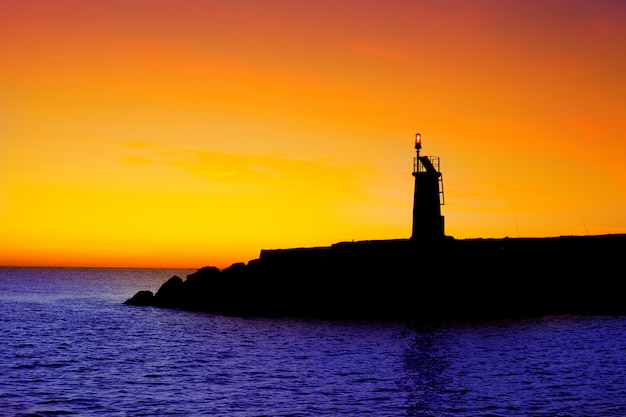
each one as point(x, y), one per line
point(69, 346)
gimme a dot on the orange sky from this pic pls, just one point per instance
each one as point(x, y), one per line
point(193, 133)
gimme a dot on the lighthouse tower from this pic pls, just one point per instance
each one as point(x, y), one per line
point(428, 196)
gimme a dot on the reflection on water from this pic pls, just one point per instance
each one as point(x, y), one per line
point(558, 365)
point(426, 381)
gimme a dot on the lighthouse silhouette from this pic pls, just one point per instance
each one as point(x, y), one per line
point(428, 223)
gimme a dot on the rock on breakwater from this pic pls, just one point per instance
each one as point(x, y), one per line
point(404, 279)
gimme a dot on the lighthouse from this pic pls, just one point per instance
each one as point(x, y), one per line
point(428, 198)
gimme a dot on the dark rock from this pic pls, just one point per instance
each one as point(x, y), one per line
point(204, 274)
point(202, 288)
point(237, 270)
point(170, 294)
point(142, 298)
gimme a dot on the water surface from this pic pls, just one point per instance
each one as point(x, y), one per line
point(71, 347)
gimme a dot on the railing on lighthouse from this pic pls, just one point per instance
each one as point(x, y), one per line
point(428, 223)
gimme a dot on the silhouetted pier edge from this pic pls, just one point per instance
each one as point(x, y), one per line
point(412, 279)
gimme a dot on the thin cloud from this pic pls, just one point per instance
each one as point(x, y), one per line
point(139, 144)
point(265, 171)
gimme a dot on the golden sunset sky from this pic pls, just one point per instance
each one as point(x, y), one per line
point(190, 133)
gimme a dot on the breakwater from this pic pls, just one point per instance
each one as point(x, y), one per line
point(406, 279)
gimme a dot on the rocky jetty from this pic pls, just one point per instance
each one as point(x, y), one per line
point(407, 279)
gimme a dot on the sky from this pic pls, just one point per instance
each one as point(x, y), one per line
point(189, 133)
